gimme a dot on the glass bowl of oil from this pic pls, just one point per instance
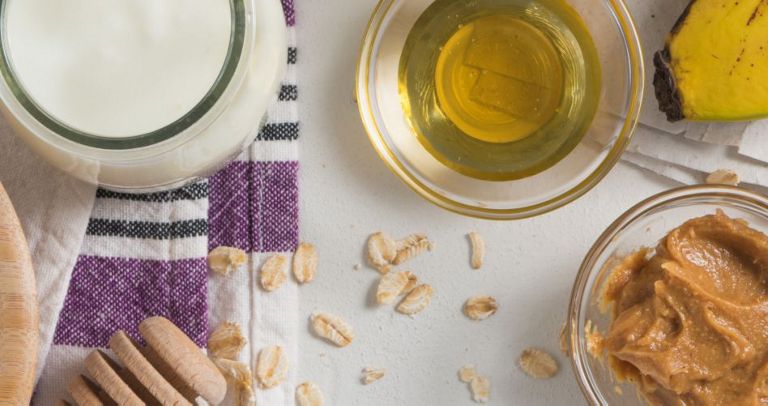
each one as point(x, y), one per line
point(500, 109)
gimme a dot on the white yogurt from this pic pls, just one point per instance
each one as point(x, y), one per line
point(117, 68)
point(174, 50)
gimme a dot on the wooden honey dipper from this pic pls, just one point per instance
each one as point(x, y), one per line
point(19, 317)
point(170, 370)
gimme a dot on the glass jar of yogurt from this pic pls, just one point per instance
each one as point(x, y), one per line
point(139, 95)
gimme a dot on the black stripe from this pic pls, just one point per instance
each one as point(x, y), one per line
point(280, 131)
point(292, 55)
point(288, 93)
point(148, 230)
point(193, 191)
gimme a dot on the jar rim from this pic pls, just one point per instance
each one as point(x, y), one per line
point(198, 112)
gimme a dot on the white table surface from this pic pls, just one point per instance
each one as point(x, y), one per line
point(347, 193)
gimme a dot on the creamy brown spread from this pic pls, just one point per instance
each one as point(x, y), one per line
point(690, 318)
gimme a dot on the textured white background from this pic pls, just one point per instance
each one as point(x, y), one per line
point(347, 193)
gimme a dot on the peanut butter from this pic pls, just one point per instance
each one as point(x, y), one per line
point(690, 318)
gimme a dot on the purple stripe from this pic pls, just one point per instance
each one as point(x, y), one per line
point(228, 216)
point(255, 206)
point(110, 294)
point(276, 206)
point(290, 12)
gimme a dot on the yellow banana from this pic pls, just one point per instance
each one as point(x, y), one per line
point(715, 63)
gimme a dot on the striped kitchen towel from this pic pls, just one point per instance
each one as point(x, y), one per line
point(145, 255)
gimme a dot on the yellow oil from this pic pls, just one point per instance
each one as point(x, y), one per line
point(499, 89)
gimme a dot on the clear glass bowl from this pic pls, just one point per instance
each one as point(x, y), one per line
point(392, 136)
point(644, 225)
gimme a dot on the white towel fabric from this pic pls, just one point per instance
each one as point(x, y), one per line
point(54, 210)
point(145, 255)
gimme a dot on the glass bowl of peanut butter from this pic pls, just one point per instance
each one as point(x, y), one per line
point(670, 306)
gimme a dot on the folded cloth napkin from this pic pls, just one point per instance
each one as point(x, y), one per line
point(145, 255)
point(688, 151)
point(53, 209)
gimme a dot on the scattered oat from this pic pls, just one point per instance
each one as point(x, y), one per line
point(371, 375)
point(305, 263)
point(239, 376)
point(724, 177)
point(480, 307)
point(538, 364)
point(409, 241)
point(391, 285)
point(479, 385)
point(333, 328)
point(225, 260)
point(272, 274)
point(246, 397)
point(384, 269)
point(357, 267)
point(410, 247)
point(481, 389)
point(478, 249)
point(618, 390)
point(226, 341)
point(309, 394)
point(416, 301)
point(271, 367)
point(381, 251)
point(467, 373)
point(412, 281)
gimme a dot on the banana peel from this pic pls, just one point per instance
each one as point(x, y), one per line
point(715, 63)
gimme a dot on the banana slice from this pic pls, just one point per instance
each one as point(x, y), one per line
point(713, 67)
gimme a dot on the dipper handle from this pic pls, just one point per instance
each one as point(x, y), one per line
point(19, 317)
